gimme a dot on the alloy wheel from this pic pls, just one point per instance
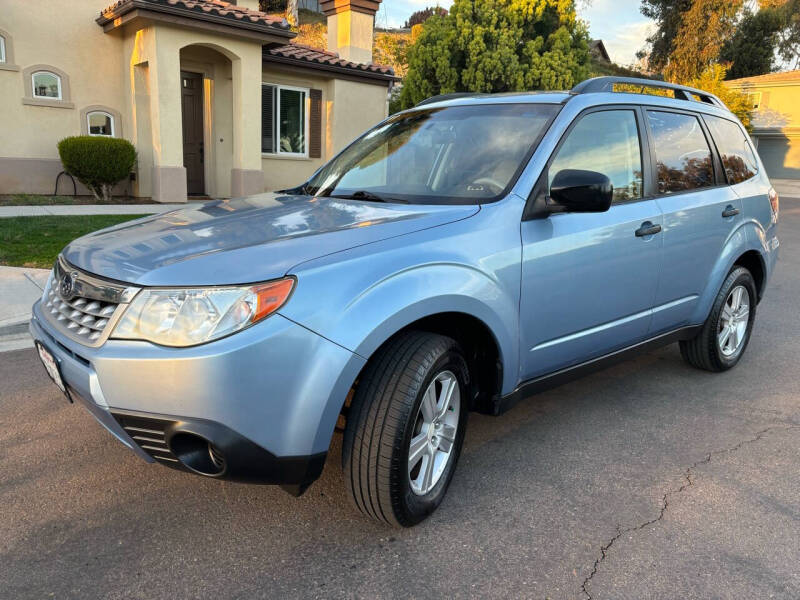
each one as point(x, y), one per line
point(435, 429)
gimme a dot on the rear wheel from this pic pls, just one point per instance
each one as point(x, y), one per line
point(726, 333)
point(405, 428)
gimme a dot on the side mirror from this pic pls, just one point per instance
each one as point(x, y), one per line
point(582, 191)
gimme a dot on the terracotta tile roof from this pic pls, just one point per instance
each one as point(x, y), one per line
point(299, 52)
point(784, 77)
point(218, 8)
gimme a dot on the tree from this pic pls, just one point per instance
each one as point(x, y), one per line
point(752, 48)
point(788, 12)
point(703, 30)
point(291, 13)
point(420, 16)
point(712, 80)
point(497, 46)
point(668, 15)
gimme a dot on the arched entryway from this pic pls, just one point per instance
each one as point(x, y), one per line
point(207, 116)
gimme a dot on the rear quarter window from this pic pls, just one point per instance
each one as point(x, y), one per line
point(737, 156)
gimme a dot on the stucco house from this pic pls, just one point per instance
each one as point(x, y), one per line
point(776, 120)
point(214, 95)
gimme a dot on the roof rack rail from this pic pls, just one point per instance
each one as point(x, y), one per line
point(606, 84)
point(443, 97)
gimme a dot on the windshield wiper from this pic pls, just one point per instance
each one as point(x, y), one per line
point(365, 195)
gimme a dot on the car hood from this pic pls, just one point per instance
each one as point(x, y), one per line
point(247, 239)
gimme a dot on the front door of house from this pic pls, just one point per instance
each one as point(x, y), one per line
point(192, 107)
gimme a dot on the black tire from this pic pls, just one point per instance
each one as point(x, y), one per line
point(703, 351)
point(381, 421)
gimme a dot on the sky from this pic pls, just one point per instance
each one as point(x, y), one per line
point(618, 23)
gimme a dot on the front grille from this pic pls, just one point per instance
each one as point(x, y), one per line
point(149, 434)
point(82, 306)
point(84, 317)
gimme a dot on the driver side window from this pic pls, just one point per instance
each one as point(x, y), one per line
point(606, 142)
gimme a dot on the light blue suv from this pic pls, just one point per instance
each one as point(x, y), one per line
point(457, 257)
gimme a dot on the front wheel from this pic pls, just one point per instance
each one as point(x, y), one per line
point(726, 333)
point(405, 428)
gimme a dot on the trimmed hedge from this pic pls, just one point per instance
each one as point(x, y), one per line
point(97, 162)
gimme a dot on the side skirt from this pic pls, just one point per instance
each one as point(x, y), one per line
point(501, 404)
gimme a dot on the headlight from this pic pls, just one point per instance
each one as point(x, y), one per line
point(186, 317)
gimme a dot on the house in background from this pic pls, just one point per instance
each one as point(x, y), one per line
point(776, 120)
point(215, 97)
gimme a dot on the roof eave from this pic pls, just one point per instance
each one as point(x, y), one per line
point(110, 20)
point(344, 72)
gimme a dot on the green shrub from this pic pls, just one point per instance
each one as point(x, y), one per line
point(97, 162)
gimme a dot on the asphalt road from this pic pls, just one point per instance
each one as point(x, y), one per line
point(647, 480)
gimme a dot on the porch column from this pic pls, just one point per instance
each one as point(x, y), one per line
point(247, 178)
point(169, 174)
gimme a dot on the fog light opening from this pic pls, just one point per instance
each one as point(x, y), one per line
point(197, 454)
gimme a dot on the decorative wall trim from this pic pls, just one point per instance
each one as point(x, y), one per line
point(66, 98)
point(8, 65)
point(101, 108)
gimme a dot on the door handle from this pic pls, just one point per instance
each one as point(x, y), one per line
point(647, 228)
point(730, 211)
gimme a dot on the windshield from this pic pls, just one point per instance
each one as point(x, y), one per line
point(456, 155)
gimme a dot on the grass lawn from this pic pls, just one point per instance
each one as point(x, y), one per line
point(40, 200)
point(36, 241)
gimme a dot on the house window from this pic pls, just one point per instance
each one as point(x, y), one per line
point(284, 120)
point(46, 85)
point(754, 98)
point(2, 49)
point(100, 123)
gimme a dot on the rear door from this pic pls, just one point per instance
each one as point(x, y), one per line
point(588, 279)
point(700, 212)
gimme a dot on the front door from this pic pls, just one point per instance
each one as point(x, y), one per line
point(192, 107)
point(589, 279)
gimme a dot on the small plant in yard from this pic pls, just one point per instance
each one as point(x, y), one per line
point(97, 162)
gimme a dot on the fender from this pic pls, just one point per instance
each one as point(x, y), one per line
point(750, 235)
point(388, 307)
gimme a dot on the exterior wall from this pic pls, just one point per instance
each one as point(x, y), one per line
point(349, 109)
point(776, 125)
point(70, 41)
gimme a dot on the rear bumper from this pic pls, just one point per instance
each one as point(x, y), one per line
point(266, 399)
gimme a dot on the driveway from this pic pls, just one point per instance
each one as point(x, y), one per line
point(647, 480)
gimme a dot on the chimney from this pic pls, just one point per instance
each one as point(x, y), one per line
point(350, 27)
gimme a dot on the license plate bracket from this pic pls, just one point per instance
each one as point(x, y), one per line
point(52, 367)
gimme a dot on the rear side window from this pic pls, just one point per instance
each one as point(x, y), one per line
point(683, 158)
point(606, 142)
point(737, 155)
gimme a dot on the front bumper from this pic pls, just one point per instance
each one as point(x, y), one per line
point(266, 399)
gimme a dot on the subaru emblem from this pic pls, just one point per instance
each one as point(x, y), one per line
point(66, 287)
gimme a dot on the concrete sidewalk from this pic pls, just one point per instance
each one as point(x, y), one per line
point(19, 289)
point(88, 209)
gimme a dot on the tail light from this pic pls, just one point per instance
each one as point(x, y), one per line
point(775, 203)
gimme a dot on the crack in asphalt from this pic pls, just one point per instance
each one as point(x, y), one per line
point(665, 500)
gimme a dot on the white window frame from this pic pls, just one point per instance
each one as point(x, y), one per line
point(2, 49)
point(278, 152)
point(33, 86)
point(101, 112)
point(754, 99)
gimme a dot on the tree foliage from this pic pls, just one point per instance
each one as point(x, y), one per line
point(420, 16)
point(497, 46)
point(712, 80)
point(752, 48)
point(704, 28)
point(668, 15)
